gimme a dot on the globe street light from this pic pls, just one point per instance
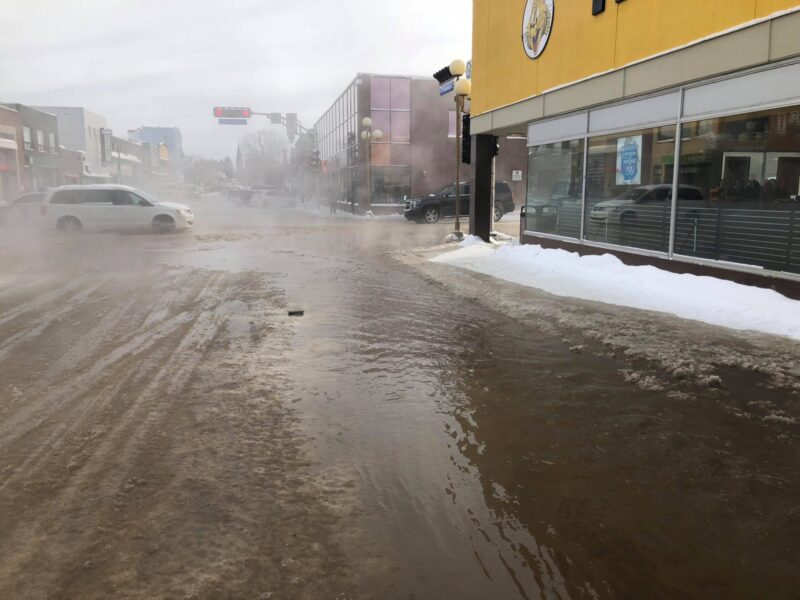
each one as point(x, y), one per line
point(463, 88)
point(368, 134)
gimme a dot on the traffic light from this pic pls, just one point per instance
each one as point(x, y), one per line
point(495, 146)
point(466, 141)
point(229, 112)
point(291, 124)
point(443, 75)
point(275, 118)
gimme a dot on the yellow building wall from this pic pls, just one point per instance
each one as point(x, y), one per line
point(582, 45)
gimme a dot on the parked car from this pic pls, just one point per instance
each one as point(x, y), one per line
point(22, 211)
point(627, 206)
point(77, 207)
point(443, 203)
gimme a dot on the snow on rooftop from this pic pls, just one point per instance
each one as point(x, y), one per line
point(607, 279)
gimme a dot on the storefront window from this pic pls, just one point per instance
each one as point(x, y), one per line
point(629, 188)
point(555, 182)
point(391, 185)
point(744, 172)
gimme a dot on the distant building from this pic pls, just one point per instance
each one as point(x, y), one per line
point(41, 147)
point(12, 154)
point(417, 153)
point(155, 136)
point(81, 129)
point(131, 161)
point(72, 169)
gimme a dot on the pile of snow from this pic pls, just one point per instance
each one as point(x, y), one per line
point(607, 279)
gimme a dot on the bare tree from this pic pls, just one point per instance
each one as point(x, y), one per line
point(265, 155)
point(267, 144)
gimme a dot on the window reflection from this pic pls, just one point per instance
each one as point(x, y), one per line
point(555, 178)
point(381, 119)
point(391, 185)
point(380, 92)
point(629, 188)
point(401, 94)
point(380, 154)
point(401, 126)
point(748, 169)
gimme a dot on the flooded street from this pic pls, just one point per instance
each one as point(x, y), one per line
point(167, 430)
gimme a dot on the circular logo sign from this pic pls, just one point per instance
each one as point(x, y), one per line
point(536, 26)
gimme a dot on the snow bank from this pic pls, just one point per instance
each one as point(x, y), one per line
point(606, 279)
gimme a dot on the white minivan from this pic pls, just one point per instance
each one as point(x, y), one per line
point(77, 207)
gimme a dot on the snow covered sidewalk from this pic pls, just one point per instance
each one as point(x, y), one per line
point(607, 279)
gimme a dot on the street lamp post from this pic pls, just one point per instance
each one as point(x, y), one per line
point(462, 89)
point(368, 134)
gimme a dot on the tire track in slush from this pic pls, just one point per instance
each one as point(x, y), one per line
point(43, 321)
point(31, 417)
point(121, 442)
point(41, 301)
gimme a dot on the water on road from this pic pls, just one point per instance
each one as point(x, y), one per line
point(167, 430)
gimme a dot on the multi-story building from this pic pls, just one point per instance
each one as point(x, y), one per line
point(41, 146)
point(664, 132)
point(81, 129)
point(12, 154)
point(156, 136)
point(417, 152)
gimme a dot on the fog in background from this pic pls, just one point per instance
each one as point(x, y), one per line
point(151, 62)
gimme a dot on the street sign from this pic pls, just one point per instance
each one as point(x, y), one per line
point(233, 121)
point(469, 69)
point(447, 87)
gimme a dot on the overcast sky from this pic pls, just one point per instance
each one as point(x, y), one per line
point(168, 62)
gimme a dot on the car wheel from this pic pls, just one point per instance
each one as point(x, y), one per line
point(69, 224)
point(164, 223)
point(431, 214)
point(498, 213)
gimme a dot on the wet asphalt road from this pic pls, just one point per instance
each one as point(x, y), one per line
point(168, 431)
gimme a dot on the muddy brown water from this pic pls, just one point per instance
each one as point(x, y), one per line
point(168, 431)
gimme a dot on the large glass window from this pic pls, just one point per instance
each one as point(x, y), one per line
point(401, 94)
point(555, 188)
point(391, 185)
point(629, 188)
point(380, 92)
point(381, 119)
point(380, 154)
point(743, 175)
point(401, 126)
